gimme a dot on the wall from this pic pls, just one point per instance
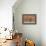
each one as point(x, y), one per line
point(43, 22)
point(29, 31)
point(6, 13)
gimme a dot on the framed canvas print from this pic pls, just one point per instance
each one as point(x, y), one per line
point(29, 19)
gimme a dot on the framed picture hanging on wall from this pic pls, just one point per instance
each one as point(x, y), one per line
point(29, 19)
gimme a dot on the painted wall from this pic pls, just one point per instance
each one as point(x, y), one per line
point(43, 22)
point(29, 31)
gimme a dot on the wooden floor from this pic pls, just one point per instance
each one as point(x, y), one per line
point(9, 43)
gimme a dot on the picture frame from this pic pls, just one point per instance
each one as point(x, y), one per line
point(29, 19)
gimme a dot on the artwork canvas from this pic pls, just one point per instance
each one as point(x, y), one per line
point(29, 19)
